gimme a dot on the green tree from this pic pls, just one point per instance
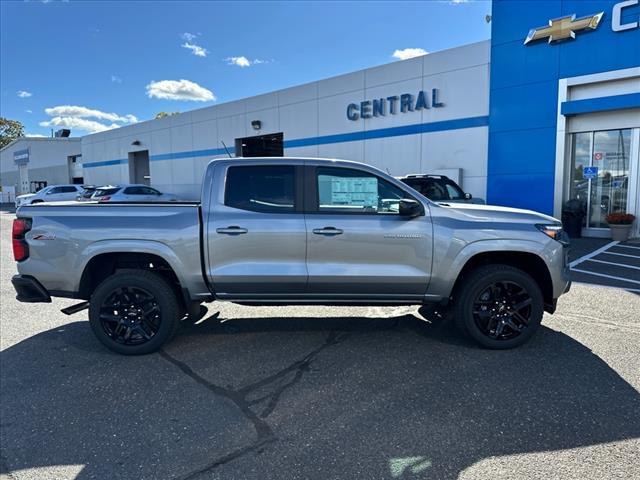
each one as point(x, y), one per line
point(9, 131)
point(166, 114)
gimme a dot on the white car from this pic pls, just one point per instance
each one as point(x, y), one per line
point(52, 193)
point(131, 193)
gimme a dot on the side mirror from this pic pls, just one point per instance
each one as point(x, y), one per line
point(468, 196)
point(410, 208)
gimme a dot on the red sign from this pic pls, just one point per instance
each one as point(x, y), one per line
point(598, 155)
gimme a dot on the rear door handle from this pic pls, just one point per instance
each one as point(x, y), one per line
point(327, 231)
point(232, 230)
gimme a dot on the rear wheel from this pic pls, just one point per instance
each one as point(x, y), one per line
point(134, 312)
point(498, 306)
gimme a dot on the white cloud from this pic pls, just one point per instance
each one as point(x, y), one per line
point(409, 53)
point(35, 135)
point(29, 111)
point(77, 117)
point(189, 37)
point(84, 112)
point(197, 50)
point(456, 2)
point(179, 90)
point(244, 61)
point(116, 79)
point(24, 94)
point(90, 126)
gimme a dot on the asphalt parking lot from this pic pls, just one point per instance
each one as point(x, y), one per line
point(322, 393)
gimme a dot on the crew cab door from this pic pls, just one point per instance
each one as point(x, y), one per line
point(358, 245)
point(256, 234)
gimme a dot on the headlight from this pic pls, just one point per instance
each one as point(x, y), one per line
point(555, 231)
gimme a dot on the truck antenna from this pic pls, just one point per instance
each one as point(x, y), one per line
point(225, 147)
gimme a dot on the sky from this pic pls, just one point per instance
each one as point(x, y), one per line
point(95, 65)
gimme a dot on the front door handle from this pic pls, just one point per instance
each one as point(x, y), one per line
point(327, 231)
point(232, 230)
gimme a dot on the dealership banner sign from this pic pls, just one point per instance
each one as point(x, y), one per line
point(21, 157)
point(380, 107)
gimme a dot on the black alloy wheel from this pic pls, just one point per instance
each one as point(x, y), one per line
point(134, 312)
point(498, 306)
point(130, 315)
point(502, 310)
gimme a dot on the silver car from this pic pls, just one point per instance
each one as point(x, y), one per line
point(131, 193)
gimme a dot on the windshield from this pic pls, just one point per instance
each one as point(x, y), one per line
point(101, 192)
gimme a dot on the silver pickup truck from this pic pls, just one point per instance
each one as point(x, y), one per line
point(291, 231)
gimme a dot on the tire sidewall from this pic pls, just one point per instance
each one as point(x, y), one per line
point(480, 281)
point(163, 295)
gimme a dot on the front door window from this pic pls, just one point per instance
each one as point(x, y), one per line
point(600, 173)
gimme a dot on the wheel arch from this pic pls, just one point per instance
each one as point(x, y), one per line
point(529, 262)
point(101, 261)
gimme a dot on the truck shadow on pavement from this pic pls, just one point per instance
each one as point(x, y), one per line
point(302, 397)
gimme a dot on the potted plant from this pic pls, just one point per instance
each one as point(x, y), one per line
point(620, 224)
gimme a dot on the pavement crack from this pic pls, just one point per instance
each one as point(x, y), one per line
point(239, 398)
point(262, 428)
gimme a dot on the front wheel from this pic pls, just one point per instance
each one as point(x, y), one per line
point(134, 312)
point(499, 306)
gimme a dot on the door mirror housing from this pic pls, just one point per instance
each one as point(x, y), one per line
point(410, 208)
point(468, 196)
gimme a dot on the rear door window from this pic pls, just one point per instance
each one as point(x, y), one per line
point(268, 189)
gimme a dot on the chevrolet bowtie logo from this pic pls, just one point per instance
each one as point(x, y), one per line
point(564, 27)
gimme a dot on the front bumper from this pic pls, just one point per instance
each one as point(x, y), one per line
point(29, 290)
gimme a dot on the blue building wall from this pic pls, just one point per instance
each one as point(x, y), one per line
point(524, 90)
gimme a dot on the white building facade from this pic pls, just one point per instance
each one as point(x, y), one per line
point(28, 164)
point(426, 114)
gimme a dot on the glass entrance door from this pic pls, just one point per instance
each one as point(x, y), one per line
point(601, 165)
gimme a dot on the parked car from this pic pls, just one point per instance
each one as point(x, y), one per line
point(291, 231)
point(52, 193)
point(87, 191)
point(131, 193)
point(440, 188)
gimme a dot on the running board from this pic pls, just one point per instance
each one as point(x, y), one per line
point(75, 308)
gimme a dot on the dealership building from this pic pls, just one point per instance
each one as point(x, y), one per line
point(545, 111)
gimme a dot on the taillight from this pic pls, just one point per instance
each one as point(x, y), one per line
point(20, 247)
point(106, 198)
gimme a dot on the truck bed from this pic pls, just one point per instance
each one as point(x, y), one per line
point(83, 230)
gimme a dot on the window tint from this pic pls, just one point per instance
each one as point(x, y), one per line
point(434, 190)
point(354, 191)
point(133, 191)
point(68, 189)
point(261, 188)
point(101, 192)
point(54, 190)
point(454, 192)
point(149, 191)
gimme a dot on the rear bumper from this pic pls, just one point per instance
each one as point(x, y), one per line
point(29, 290)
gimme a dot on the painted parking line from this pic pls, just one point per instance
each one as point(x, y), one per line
point(622, 254)
point(613, 263)
point(628, 246)
point(592, 254)
point(612, 277)
point(608, 266)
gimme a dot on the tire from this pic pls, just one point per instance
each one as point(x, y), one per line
point(498, 306)
point(117, 312)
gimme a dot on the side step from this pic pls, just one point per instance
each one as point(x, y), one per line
point(75, 308)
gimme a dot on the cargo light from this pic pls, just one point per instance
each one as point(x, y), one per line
point(20, 246)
